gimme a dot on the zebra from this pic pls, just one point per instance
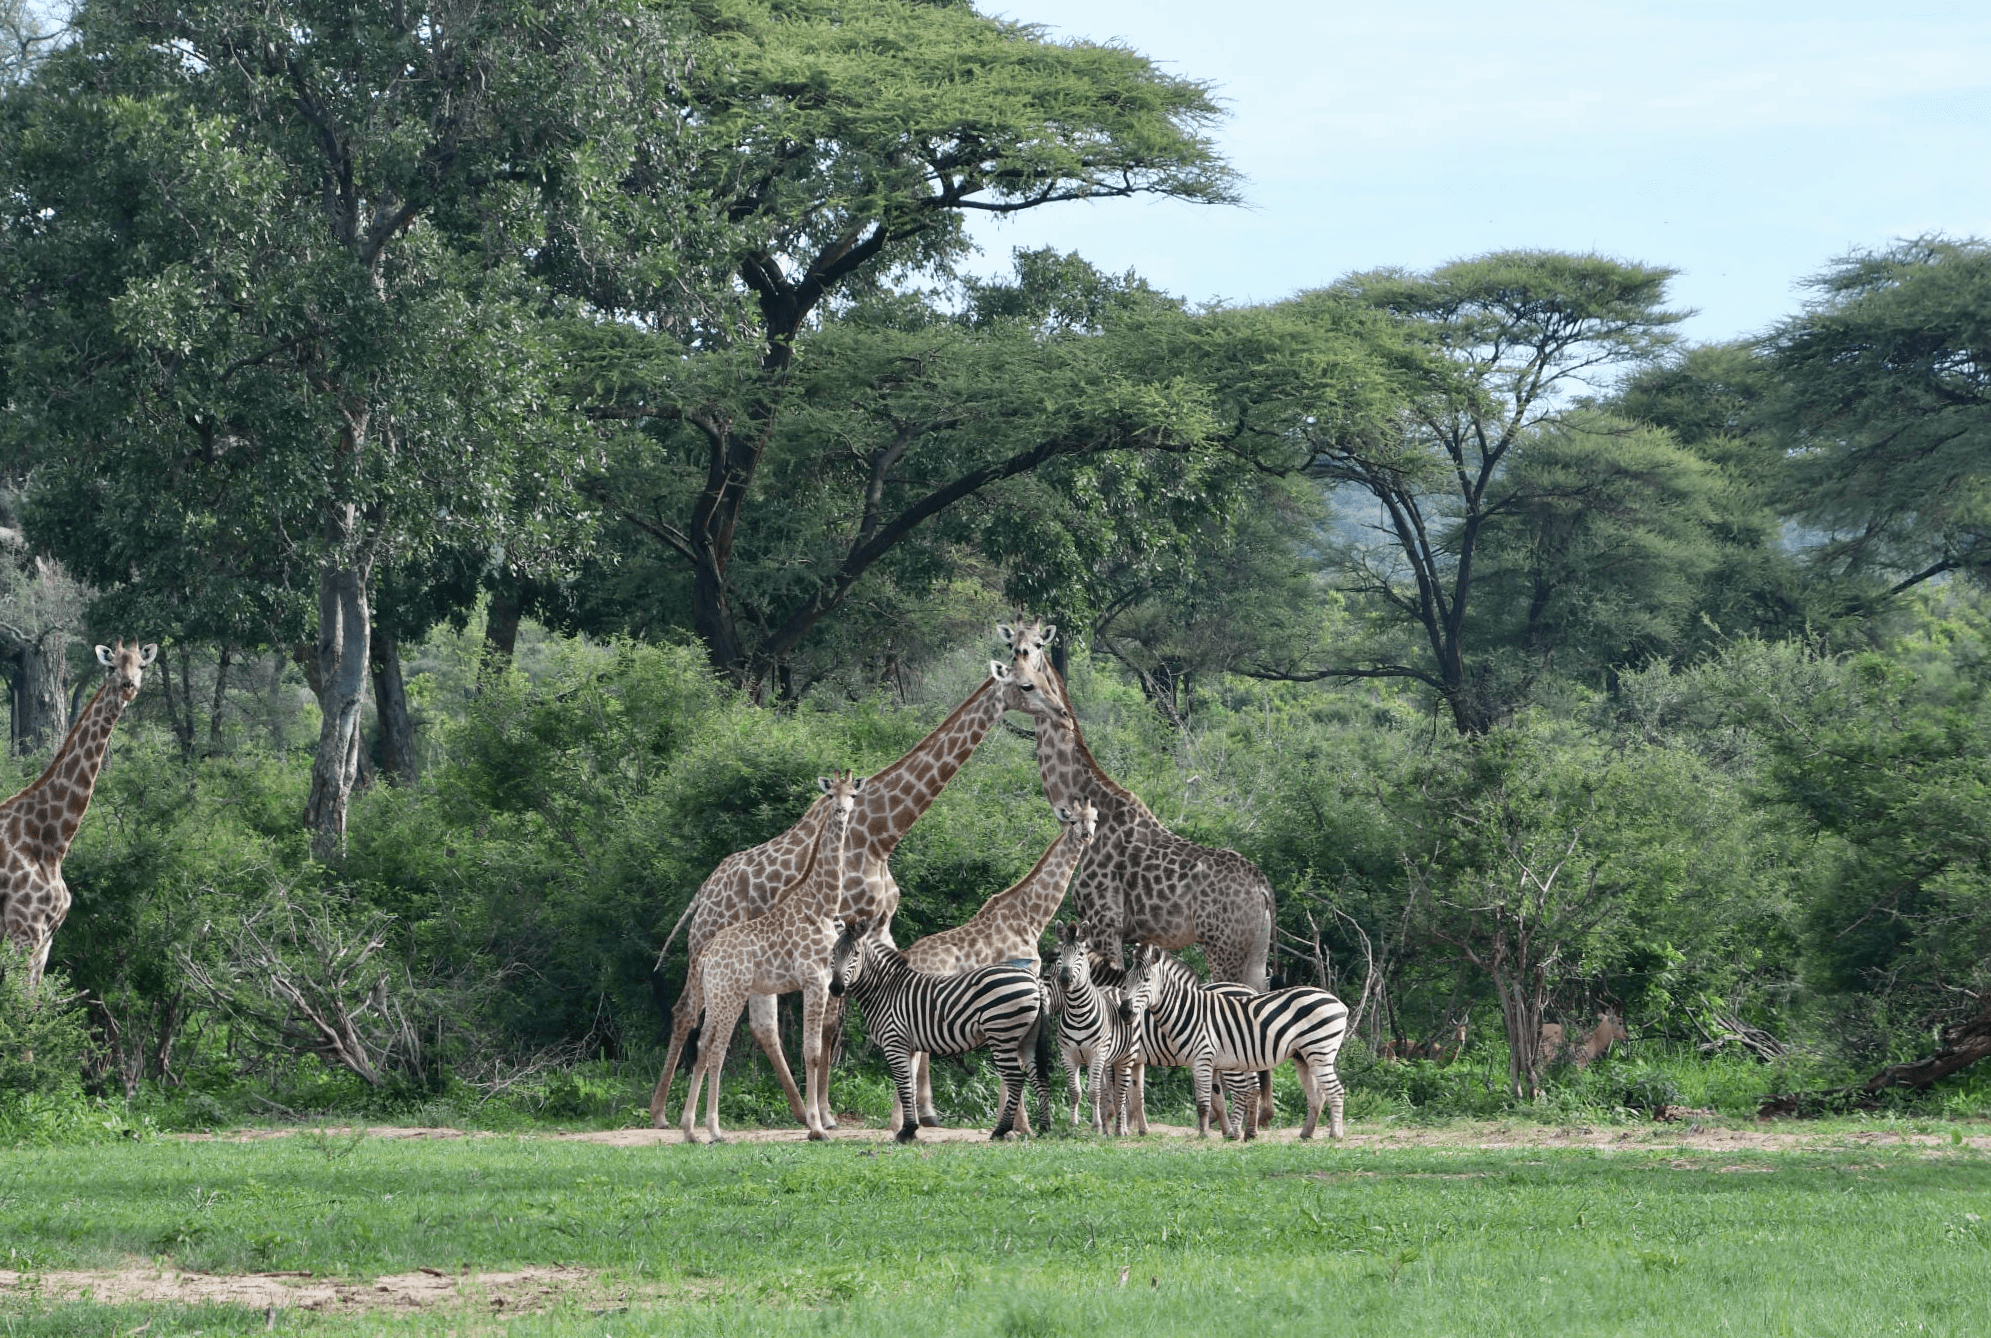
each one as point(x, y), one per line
point(1092, 1033)
point(1157, 1046)
point(908, 1012)
point(1220, 1032)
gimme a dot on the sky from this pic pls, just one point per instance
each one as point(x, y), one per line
point(1745, 143)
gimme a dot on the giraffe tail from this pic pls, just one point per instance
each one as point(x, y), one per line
point(660, 988)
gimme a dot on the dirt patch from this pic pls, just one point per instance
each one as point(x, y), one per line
point(335, 1131)
point(1692, 1136)
point(498, 1293)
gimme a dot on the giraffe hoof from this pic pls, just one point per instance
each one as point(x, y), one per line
point(818, 1136)
point(829, 1122)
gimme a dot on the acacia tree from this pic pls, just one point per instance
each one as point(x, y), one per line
point(275, 320)
point(856, 138)
point(1883, 402)
point(1502, 344)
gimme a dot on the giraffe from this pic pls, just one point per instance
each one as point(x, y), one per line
point(1005, 931)
point(789, 948)
point(1141, 883)
point(745, 883)
point(37, 825)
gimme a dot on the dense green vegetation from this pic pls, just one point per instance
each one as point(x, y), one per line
point(545, 439)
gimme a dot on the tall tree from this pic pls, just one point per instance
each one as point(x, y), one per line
point(1885, 407)
point(858, 135)
point(1504, 344)
point(276, 317)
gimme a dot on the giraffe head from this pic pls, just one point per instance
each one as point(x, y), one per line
point(847, 957)
point(1083, 820)
point(842, 788)
point(1027, 640)
point(127, 665)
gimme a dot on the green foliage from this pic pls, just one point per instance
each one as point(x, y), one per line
point(42, 1036)
point(1884, 402)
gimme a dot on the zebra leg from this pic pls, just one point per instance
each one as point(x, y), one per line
point(1009, 1063)
point(1321, 1079)
point(1072, 1058)
point(1201, 1068)
point(1095, 1081)
point(1040, 1069)
point(761, 1017)
point(903, 1063)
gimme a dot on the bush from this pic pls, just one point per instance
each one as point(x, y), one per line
point(43, 1037)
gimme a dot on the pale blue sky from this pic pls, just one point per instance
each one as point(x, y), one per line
point(1743, 142)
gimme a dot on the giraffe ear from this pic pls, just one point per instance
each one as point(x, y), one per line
point(150, 654)
point(1007, 633)
point(1064, 815)
point(856, 784)
point(104, 656)
point(999, 671)
point(1050, 633)
point(823, 783)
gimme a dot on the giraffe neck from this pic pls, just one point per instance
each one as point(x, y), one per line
point(1035, 899)
point(1070, 774)
point(53, 806)
point(818, 894)
point(894, 798)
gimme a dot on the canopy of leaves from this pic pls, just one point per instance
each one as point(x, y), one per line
point(1885, 403)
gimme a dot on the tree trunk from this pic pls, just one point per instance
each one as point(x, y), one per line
point(390, 705)
point(1522, 985)
point(38, 695)
point(220, 697)
point(501, 627)
point(1963, 1044)
point(341, 652)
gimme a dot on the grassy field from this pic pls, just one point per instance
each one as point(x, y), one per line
point(1058, 1236)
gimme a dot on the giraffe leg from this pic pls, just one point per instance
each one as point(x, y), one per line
point(1137, 1098)
point(928, 1116)
point(761, 1016)
point(815, 1056)
point(683, 1017)
point(712, 1063)
point(832, 1034)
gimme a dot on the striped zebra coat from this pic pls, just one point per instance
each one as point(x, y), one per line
point(907, 1013)
point(1092, 1035)
point(1222, 1033)
point(1157, 1045)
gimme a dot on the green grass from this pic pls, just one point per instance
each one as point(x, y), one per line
point(1030, 1239)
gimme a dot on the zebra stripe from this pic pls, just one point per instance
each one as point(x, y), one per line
point(907, 1012)
point(1092, 1033)
point(1157, 1046)
point(1222, 1032)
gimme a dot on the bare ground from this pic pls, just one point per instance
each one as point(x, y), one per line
point(495, 1293)
point(1712, 1135)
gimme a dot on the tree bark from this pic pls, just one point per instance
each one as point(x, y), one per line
point(220, 698)
point(38, 695)
point(1964, 1043)
point(390, 704)
point(501, 627)
point(342, 652)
